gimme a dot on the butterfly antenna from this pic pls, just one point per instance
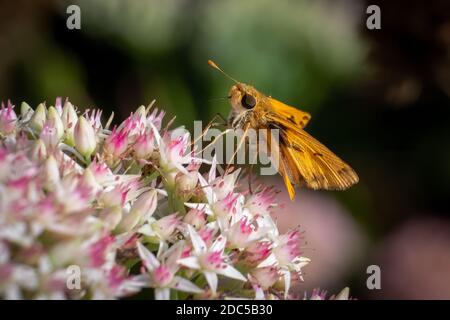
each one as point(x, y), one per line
point(215, 66)
point(218, 99)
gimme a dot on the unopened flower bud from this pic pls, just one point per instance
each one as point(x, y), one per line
point(38, 118)
point(84, 135)
point(25, 109)
point(187, 182)
point(144, 146)
point(55, 118)
point(69, 119)
point(116, 143)
point(140, 211)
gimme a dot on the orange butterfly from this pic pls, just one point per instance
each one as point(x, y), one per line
point(304, 161)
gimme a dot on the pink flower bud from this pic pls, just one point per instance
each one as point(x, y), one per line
point(116, 143)
point(84, 135)
point(196, 218)
point(7, 119)
point(156, 118)
point(174, 152)
point(144, 146)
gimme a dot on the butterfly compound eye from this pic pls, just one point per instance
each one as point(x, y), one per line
point(248, 101)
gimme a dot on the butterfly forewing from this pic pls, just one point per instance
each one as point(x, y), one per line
point(281, 113)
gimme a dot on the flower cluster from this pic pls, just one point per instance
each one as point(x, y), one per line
point(93, 212)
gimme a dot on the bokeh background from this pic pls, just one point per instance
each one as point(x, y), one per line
point(379, 98)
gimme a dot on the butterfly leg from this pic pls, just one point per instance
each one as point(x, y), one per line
point(210, 125)
point(239, 146)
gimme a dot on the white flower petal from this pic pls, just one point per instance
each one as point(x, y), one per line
point(287, 283)
point(219, 244)
point(162, 192)
point(197, 242)
point(181, 169)
point(146, 230)
point(158, 138)
point(269, 261)
point(259, 293)
point(190, 262)
point(210, 196)
point(163, 246)
point(162, 293)
point(185, 285)
point(200, 206)
point(142, 280)
point(212, 280)
point(147, 257)
point(231, 272)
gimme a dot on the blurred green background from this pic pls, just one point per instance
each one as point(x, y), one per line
point(379, 98)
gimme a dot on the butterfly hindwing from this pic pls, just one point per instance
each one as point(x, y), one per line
point(318, 167)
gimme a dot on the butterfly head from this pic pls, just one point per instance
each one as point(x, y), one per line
point(243, 97)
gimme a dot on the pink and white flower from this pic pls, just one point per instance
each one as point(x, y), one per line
point(162, 276)
point(210, 261)
point(74, 193)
